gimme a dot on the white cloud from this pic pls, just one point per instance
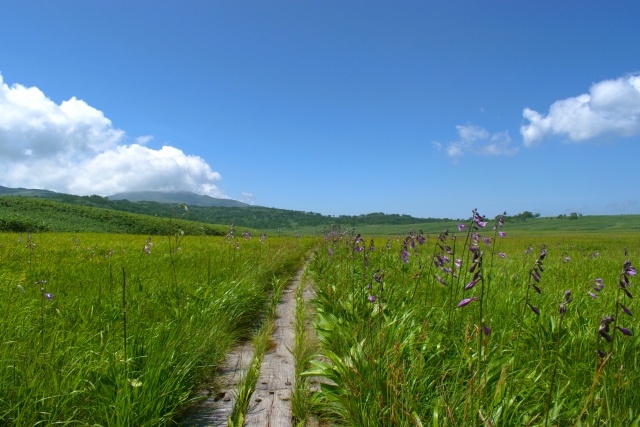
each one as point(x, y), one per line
point(247, 198)
point(612, 108)
point(477, 140)
point(74, 148)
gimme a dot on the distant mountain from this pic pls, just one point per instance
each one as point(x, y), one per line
point(189, 199)
point(25, 192)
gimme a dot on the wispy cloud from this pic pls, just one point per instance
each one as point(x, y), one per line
point(477, 140)
point(623, 207)
point(142, 140)
point(611, 108)
point(72, 147)
point(247, 198)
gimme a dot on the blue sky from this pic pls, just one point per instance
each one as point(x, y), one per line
point(328, 106)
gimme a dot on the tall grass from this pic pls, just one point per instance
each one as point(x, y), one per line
point(415, 349)
point(65, 358)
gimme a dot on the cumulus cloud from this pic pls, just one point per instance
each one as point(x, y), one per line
point(72, 147)
point(477, 140)
point(611, 108)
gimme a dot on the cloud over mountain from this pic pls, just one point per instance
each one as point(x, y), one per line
point(72, 147)
point(611, 108)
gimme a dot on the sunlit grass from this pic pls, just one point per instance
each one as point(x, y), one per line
point(401, 352)
point(63, 359)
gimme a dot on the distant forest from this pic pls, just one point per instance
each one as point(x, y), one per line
point(252, 217)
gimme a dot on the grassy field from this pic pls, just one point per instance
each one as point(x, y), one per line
point(452, 331)
point(120, 330)
point(534, 226)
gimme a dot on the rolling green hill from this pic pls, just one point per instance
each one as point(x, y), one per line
point(23, 214)
point(256, 217)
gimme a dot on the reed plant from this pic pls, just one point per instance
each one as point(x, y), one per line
point(66, 358)
point(401, 353)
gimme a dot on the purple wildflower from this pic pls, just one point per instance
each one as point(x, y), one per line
point(592, 295)
point(471, 284)
point(441, 280)
point(534, 309)
point(461, 226)
point(625, 331)
point(487, 241)
point(372, 298)
point(466, 301)
point(405, 256)
point(626, 310)
point(486, 330)
point(502, 254)
point(502, 233)
point(458, 263)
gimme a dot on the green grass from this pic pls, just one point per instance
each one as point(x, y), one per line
point(413, 357)
point(70, 360)
point(534, 226)
point(22, 214)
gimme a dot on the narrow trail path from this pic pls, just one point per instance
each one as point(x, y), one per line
point(270, 404)
point(216, 410)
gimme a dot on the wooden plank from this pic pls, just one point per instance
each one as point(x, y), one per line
point(216, 409)
point(270, 404)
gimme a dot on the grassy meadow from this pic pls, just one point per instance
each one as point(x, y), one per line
point(454, 330)
point(121, 330)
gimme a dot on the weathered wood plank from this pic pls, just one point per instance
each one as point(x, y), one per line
point(216, 410)
point(270, 404)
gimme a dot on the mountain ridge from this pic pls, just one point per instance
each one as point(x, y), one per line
point(186, 197)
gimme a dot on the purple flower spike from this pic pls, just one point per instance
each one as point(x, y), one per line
point(461, 226)
point(372, 298)
point(534, 309)
point(466, 301)
point(458, 263)
point(502, 255)
point(626, 310)
point(502, 233)
point(482, 223)
point(486, 330)
point(487, 241)
point(471, 285)
point(625, 331)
